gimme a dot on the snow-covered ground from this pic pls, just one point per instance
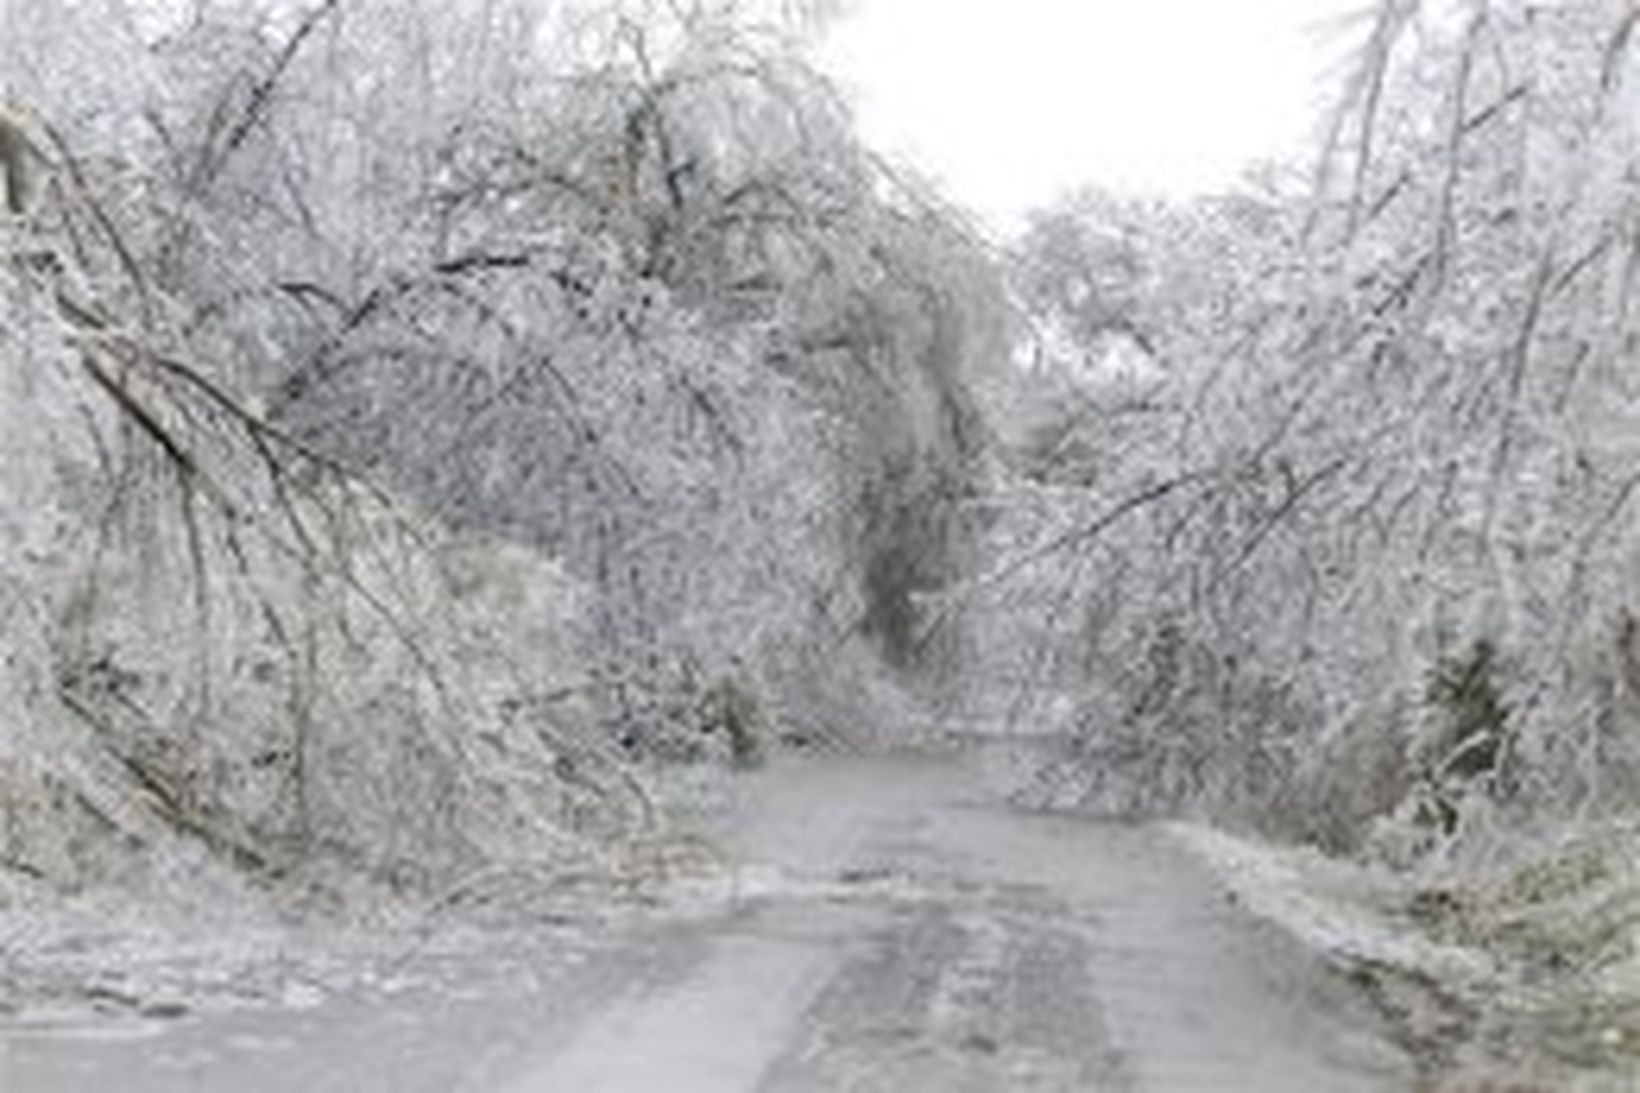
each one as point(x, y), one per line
point(1333, 907)
point(1522, 974)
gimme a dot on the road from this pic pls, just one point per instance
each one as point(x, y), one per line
point(887, 927)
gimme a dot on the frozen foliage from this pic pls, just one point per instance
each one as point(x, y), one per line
point(1339, 522)
point(217, 638)
point(416, 411)
point(640, 300)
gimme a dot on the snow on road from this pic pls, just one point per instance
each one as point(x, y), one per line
point(885, 927)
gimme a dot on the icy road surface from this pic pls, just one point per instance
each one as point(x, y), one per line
point(888, 927)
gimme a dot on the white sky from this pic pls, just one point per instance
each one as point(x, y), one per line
point(1009, 102)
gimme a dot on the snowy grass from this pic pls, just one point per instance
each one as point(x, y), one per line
point(1339, 908)
point(1526, 973)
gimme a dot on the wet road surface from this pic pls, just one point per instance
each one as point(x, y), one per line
point(887, 926)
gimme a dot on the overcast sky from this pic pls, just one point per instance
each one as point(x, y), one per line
point(1009, 102)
